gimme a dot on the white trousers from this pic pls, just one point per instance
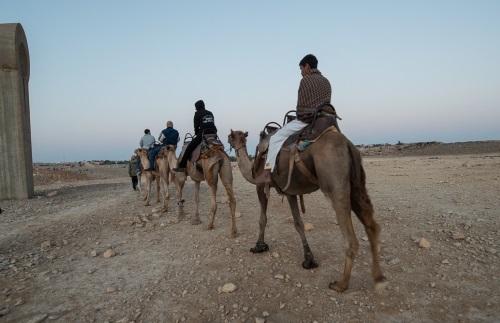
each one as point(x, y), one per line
point(278, 138)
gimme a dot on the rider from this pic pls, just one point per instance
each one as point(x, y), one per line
point(314, 91)
point(168, 136)
point(203, 120)
point(146, 142)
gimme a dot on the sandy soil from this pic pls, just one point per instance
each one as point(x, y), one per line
point(86, 249)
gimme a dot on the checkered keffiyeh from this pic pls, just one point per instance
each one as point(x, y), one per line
point(314, 91)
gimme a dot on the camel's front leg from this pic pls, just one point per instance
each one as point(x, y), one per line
point(261, 245)
point(166, 201)
point(158, 190)
point(139, 180)
point(148, 191)
point(196, 220)
point(179, 181)
point(309, 262)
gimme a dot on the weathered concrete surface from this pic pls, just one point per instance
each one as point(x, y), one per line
point(16, 162)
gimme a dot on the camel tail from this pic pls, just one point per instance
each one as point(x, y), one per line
point(360, 200)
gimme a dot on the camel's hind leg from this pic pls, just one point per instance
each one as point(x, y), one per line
point(227, 181)
point(212, 183)
point(343, 212)
point(261, 245)
point(309, 261)
point(196, 220)
point(363, 208)
point(226, 175)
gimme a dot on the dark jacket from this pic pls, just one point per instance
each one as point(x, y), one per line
point(170, 136)
point(203, 119)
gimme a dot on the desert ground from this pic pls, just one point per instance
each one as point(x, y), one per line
point(87, 249)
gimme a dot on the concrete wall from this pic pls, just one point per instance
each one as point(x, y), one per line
point(16, 162)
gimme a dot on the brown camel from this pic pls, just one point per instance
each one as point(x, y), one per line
point(166, 161)
point(217, 164)
point(151, 176)
point(340, 176)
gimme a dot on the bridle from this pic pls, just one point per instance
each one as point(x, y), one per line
point(236, 149)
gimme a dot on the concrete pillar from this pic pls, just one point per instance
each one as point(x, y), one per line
point(16, 161)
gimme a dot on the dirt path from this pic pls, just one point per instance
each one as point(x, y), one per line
point(53, 266)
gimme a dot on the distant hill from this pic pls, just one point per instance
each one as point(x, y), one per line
point(433, 148)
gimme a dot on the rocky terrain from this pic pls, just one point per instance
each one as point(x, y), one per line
point(86, 249)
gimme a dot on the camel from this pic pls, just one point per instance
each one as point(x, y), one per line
point(166, 161)
point(336, 162)
point(216, 164)
point(150, 176)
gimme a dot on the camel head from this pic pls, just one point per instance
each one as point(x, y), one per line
point(141, 152)
point(237, 139)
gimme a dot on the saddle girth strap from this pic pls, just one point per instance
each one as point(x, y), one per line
point(295, 159)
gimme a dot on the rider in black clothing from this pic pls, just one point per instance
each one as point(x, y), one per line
point(203, 120)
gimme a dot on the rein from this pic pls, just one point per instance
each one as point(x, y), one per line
point(236, 149)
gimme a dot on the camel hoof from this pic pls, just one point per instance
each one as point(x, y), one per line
point(381, 285)
point(233, 234)
point(337, 287)
point(210, 227)
point(195, 222)
point(309, 264)
point(260, 247)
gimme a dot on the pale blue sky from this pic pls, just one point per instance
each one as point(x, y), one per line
point(103, 71)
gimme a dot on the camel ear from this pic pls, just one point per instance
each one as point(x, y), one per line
point(246, 134)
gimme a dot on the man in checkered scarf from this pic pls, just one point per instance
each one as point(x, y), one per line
point(314, 91)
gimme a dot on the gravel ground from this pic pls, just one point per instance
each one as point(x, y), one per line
point(86, 249)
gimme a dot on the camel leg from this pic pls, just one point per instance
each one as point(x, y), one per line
point(158, 190)
point(213, 204)
point(148, 190)
point(363, 209)
point(261, 245)
point(228, 185)
point(309, 262)
point(196, 220)
point(340, 203)
point(166, 201)
point(179, 182)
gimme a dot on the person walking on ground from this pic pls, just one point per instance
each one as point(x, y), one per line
point(314, 91)
point(203, 120)
point(132, 172)
point(147, 141)
point(168, 136)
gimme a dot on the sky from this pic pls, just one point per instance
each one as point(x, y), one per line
point(103, 71)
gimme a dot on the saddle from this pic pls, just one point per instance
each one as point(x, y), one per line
point(323, 120)
point(160, 154)
point(208, 145)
